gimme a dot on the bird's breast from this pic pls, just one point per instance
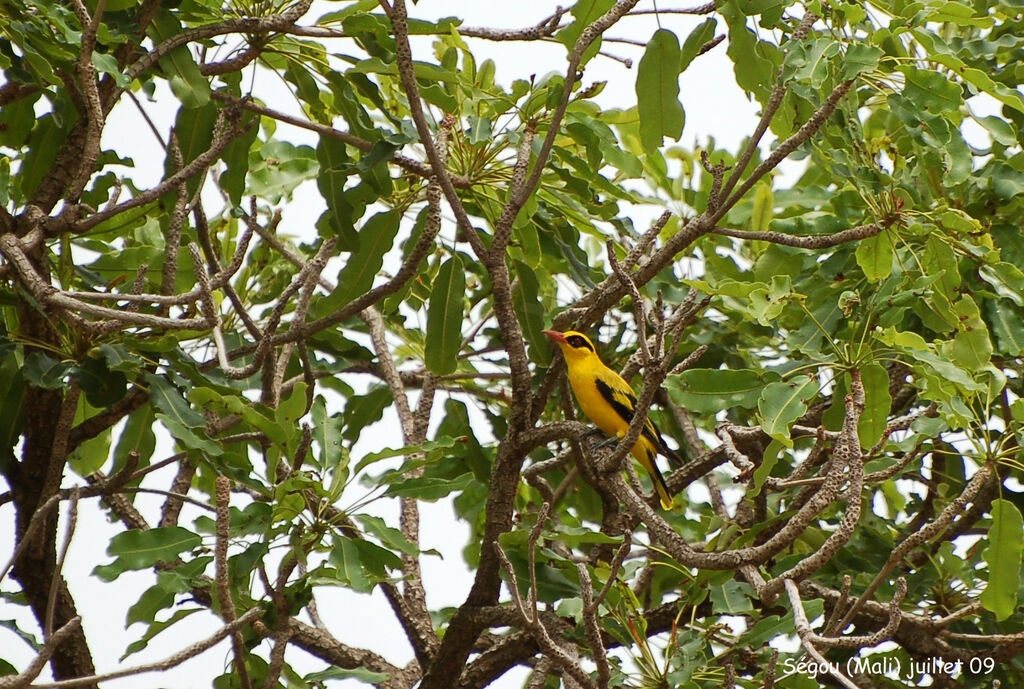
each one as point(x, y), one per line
point(594, 406)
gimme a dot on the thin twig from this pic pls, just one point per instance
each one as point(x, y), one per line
point(222, 491)
point(803, 628)
point(178, 658)
point(69, 532)
point(24, 678)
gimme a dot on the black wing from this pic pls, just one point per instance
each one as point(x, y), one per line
point(623, 401)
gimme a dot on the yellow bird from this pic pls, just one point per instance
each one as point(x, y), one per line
point(608, 400)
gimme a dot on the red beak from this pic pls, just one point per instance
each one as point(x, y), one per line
point(554, 335)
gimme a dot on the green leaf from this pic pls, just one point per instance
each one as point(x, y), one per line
point(585, 12)
point(345, 556)
point(278, 167)
point(376, 238)
point(187, 82)
point(1007, 280)
point(141, 549)
point(106, 63)
point(250, 413)
point(577, 536)
point(335, 168)
point(389, 536)
point(877, 403)
point(755, 62)
point(152, 601)
point(327, 433)
point(902, 339)
point(764, 203)
point(16, 122)
point(957, 13)
point(91, 455)
point(971, 346)
point(1007, 326)
point(1003, 557)
point(120, 358)
point(154, 629)
point(768, 301)
point(835, 415)
point(732, 598)
point(782, 403)
point(365, 409)
point(43, 146)
point(25, 636)
point(429, 447)
point(708, 391)
point(930, 90)
point(531, 314)
point(702, 34)
point(1006, 181)
point(999, 129)
point(193, 129)
point(945, 370)
point(942, 262)
point(169, 400)
point(429, 488)
point(874, 256)
point(657, 91)
point(810, 60)
point(189, 437)
point(360, 673)
point(12, 407)
point(291, 409)
point(376, 561)
point(480, 129)
point(766, 629)
point(769, 459)
point(860, 58)
point(444, 317)
point(42, 371)
point(102, 387)
point(236, 159)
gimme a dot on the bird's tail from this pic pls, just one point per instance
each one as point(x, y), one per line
point(672, 456)
point(660, 487)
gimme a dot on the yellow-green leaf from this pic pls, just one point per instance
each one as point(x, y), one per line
point(877, 402)
point(764, 201)
point(971, 346)
point(874, 256)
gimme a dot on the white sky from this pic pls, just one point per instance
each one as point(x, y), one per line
point(714, 106)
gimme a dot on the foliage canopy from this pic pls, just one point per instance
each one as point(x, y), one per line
point(839, 355)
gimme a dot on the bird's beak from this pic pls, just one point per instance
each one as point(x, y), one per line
point(554, 335)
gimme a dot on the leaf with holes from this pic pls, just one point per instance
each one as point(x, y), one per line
point(782, 403)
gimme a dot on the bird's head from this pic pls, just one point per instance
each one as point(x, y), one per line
point(575, 346)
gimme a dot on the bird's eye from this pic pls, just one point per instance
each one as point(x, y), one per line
point(579, 342)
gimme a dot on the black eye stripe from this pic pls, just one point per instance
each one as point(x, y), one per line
point(579, 342)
